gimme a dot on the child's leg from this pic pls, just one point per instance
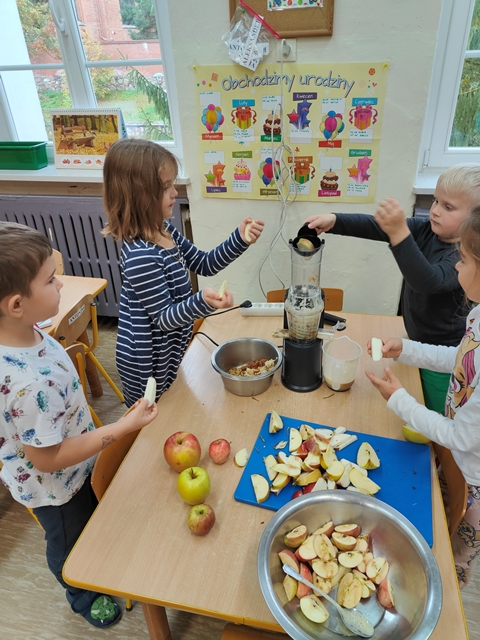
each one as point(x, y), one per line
point(466, 542)
point(63, 525)
point(435, 387)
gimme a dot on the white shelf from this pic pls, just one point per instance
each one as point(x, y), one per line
point(52, 174)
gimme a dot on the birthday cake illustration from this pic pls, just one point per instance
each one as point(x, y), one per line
point(329, 182)
point(241, 171)
point(272, 125)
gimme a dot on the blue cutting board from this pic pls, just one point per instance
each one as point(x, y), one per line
point(403, 475)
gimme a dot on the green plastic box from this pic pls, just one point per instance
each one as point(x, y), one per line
point(23, 155)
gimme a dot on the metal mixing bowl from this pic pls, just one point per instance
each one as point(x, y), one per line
point(414, 574)
point(239, 351)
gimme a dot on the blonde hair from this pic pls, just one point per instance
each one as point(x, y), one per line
point(462, 180)
point(22, 253)
point(469, 234)
point(133, 189)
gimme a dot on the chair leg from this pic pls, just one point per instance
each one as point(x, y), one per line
point(128, 604)
point(105, 375)
point(157, 622)
point(95, 418)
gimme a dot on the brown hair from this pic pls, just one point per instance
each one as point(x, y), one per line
point(22, 253)
point(469, 234)
point(133, 189)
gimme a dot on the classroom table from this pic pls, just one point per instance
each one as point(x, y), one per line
point(137, 543)
point(73, 290)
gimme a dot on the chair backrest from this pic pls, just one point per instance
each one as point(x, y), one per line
point(60, 267)
point(456, 487)
point(108, 462)
point(333, 298)
point(75, 321)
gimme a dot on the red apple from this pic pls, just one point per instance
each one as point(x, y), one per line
point(193, 485)
point(201, 519)
point(309, 487)
point(297, 494)
point(182, 450)
point(219, 450)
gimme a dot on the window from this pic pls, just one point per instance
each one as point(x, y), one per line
point(452, 125)
point(87, 53)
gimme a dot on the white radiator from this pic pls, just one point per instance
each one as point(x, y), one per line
point(74, 226)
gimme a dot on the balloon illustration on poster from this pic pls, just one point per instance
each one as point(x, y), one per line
point(212, 117)
point(266, 171)
point(332, 125)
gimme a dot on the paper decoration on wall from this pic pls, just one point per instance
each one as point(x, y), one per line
point(332, 120)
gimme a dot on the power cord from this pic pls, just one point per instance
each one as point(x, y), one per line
point(245, 305)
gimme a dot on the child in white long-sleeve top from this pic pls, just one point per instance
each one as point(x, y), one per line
point(157, 305)
point(459, 428)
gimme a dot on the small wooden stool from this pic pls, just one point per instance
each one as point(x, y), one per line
point(241, 632)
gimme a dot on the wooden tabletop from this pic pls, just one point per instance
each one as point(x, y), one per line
point(137, 542)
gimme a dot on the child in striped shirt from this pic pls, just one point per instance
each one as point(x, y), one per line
point(157, 306)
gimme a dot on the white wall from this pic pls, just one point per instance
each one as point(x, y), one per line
point(404, 34)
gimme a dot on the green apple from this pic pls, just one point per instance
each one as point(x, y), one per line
point(193, 485)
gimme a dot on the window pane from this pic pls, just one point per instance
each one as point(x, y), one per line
point(139, 92)
point(466, 123)
point(39, 33)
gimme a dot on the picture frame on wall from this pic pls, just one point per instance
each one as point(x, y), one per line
point(82, 137)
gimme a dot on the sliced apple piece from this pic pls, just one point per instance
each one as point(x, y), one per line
point(294, 439)
point(342, 571)
point(311, 462)
point(296, 537)
point(349, 591)
point(306, 551)
point(344, 479)
point(385, 594)
point(325, 584)
point(270, 462)
point(223, 288)
point(275, 423)
point(241, 458)
point(328, 457)
point(324, 548)
point(343, 542)
point(279, 482)
point(346, 443)
point(377, 353)
point(291, 470)
point(312, 445)
point(307, 477)
point(302, 589)
point(367, 457)
point(248, 237)
point(377, 569)
point(367, 585)
point(335, 470)
point(282, 457)
point(313, 609)
point(326, 569)
point(350, 559)
point(287, 557)
point(362, 482)
point(324, 434)
point(320, 485)
point(261, 488)
point(150, 391)
point(290, 585)
point(331, 484)
point(362, 545)
point(328, 528)
point(306, 431)
point(349, 529)
point(344, 461)
point(338, 439)
point(301, 452)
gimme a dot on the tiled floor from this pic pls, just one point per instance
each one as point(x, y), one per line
point(33, 605)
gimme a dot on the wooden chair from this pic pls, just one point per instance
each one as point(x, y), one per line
point(73, 326)
point(241, 632)
point(456, 487)
point(77, 355)
point(333, 298)
point(60, 267)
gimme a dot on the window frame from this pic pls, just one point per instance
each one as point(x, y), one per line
point(76, 66)
point(454, 28)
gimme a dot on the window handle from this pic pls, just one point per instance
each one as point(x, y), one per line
point(60, 23)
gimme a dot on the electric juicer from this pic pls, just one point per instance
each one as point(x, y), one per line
point(304, 315)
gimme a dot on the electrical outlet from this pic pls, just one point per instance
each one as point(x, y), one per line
point(287, 50)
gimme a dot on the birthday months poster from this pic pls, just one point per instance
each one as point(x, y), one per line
point(331, 122)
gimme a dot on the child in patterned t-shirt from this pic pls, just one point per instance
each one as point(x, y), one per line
point(47, 439)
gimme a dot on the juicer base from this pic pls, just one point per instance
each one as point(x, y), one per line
point(302, 365)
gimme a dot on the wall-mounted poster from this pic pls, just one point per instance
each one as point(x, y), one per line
point(329, 131)
point(82, 137)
